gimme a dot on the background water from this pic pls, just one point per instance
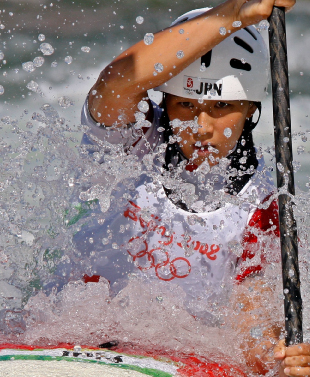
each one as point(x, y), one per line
point(39, 137)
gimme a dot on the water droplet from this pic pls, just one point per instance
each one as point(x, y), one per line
point(181, 31)
point(114, 245)
point(105, 241)
point(213, 92)
point(180, 54)
point(256, 332)
point(227, 132)
point(286, 139)
point(300, 149)
point(280, 167)
point(91, 240)
point(301, 73)
point(285, 291)
point(263, 25)
point(158, 67)
point(38, 61)
point(1, 55)
point(46, 49)
point(200, 100)
point(304, 138)
point(243, 60)
point(139, 20)
point(296, 166)
point(142, 123)
point(139, 116)
point(203, 67)
point(222, 30)
point(149, 38)
point(28, 66)
point(68, 59)
point(85, 49)
point(143, 106)
point(121, 27)
point(236, 23)
point(41, 37)
point(54, 64)
point(1, 90)
point(33, 86)
point(71, 182)
point(65, 102)
point(2, 26)
point(235, 247)
point(159, 299)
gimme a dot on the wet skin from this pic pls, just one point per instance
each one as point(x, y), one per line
point(213, 117)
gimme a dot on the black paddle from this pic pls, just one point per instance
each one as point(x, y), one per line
point(285, 177)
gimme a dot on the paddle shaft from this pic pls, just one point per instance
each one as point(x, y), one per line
point(285, 177)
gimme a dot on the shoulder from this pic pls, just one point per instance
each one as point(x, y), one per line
point(261, 234)
point(134, 135)
point(262, 231)
point(266, 216)
point(260, 185)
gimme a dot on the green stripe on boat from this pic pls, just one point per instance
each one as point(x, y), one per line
point(162, 369)
point(147, 371)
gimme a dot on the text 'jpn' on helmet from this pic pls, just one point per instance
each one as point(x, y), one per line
point(235, 69)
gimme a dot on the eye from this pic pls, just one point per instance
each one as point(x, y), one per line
point(186, 105)
point(221, 105)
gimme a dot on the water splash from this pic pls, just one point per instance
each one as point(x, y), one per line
point(43, 172)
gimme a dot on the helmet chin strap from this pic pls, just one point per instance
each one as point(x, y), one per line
point(252, 125)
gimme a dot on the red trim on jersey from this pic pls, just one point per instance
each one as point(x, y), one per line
point(91, 279)
point(262, 220)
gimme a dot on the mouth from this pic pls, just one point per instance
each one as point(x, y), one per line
point(205, 148)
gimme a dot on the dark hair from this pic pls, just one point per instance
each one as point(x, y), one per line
point(243, 161)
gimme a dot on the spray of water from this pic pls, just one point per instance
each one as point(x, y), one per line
point(44, 173)
point(52, 188)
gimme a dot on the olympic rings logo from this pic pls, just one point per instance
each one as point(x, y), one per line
point(164, 268)
point(173, 269)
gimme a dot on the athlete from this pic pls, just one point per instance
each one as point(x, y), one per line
point(206, 192)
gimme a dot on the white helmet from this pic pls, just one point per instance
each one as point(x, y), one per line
point(235, 69)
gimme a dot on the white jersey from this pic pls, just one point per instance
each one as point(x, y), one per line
point(149, 236)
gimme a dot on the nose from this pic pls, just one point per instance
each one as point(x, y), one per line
point(205, 123)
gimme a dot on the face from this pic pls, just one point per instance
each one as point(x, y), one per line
point(208, 130)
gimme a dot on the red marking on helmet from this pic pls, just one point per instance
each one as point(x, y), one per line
point(190, 82)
